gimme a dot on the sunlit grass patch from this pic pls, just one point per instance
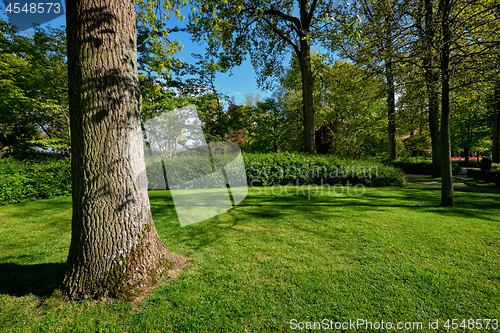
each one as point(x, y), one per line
point(390, 254)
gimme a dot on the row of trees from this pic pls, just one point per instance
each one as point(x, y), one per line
point(448, 47)
point(349, 99)
point(442, 45)
point(432, 57)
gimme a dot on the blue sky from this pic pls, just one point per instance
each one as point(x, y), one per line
point(240, 82)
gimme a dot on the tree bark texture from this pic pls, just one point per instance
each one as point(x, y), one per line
point(431, 79)
point(115, 250)
point(447, 199)
point(307, 97)
point(496, 125)
point(435, 135)
point(391, 110)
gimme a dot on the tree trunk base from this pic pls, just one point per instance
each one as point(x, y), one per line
point(129, 278)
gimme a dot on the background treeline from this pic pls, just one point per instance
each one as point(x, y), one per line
point(350, 100)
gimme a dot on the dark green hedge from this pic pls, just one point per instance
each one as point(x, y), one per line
point(284, 168)
point(419, 165)
point(42, 178)
point(39, 178)
point(294, 169)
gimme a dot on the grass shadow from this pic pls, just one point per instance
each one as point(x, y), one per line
point(38, 279)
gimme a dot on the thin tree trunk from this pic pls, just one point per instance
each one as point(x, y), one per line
point(391, 110)
point(426, 29)
point(115, 250)
point(307, 97)
point(447, 199)
point(431, 78)
point(496, 125)
point(435, 135)
point(466, 154)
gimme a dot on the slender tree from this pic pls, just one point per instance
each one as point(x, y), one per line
point(115, 250)
point(268, 30)
point(466, 53)
point(427, 34)
point(446, 171)
point(379, 48)
point(496, 124)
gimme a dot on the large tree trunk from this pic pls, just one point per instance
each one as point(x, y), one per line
point(391, 110)
point(115, 250)
point(431, 78)
point(446, 171)
point(496, 125)
point(307, 97)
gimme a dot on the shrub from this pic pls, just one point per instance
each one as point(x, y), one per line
point(301, 169)
point(38, 178)
point(47, 177)
point(419, 165)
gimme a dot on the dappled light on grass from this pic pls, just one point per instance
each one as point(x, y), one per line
point(390, 254)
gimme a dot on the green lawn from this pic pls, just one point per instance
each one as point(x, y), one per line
point(388, 255)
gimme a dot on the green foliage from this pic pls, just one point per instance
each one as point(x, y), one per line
point(350, 114)
point(417, 145)
point(267, 127)
point(419, 165)
point(48, 176)
point(471, 122)
point(298, 169)
point(289, 169)
point(33, 87)
point(161, 50)
point(213, 117)
point(40, 178)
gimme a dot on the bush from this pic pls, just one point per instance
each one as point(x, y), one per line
point(39, 178)
point(47, 177)
point(419, 165)
point(301, 169)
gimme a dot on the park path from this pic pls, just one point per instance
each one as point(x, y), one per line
point(417, 179)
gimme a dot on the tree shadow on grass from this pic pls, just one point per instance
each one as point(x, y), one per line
point(471, 202)
point(39, 279)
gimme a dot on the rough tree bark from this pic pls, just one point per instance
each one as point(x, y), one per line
point(391, 110)
point(447, 199)
point(431, 79)
point(115, 250)
point(307, 97)
point(391, 98)
point(303, 52)
point(496, 125)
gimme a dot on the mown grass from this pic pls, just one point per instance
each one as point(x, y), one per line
point(390, 254)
